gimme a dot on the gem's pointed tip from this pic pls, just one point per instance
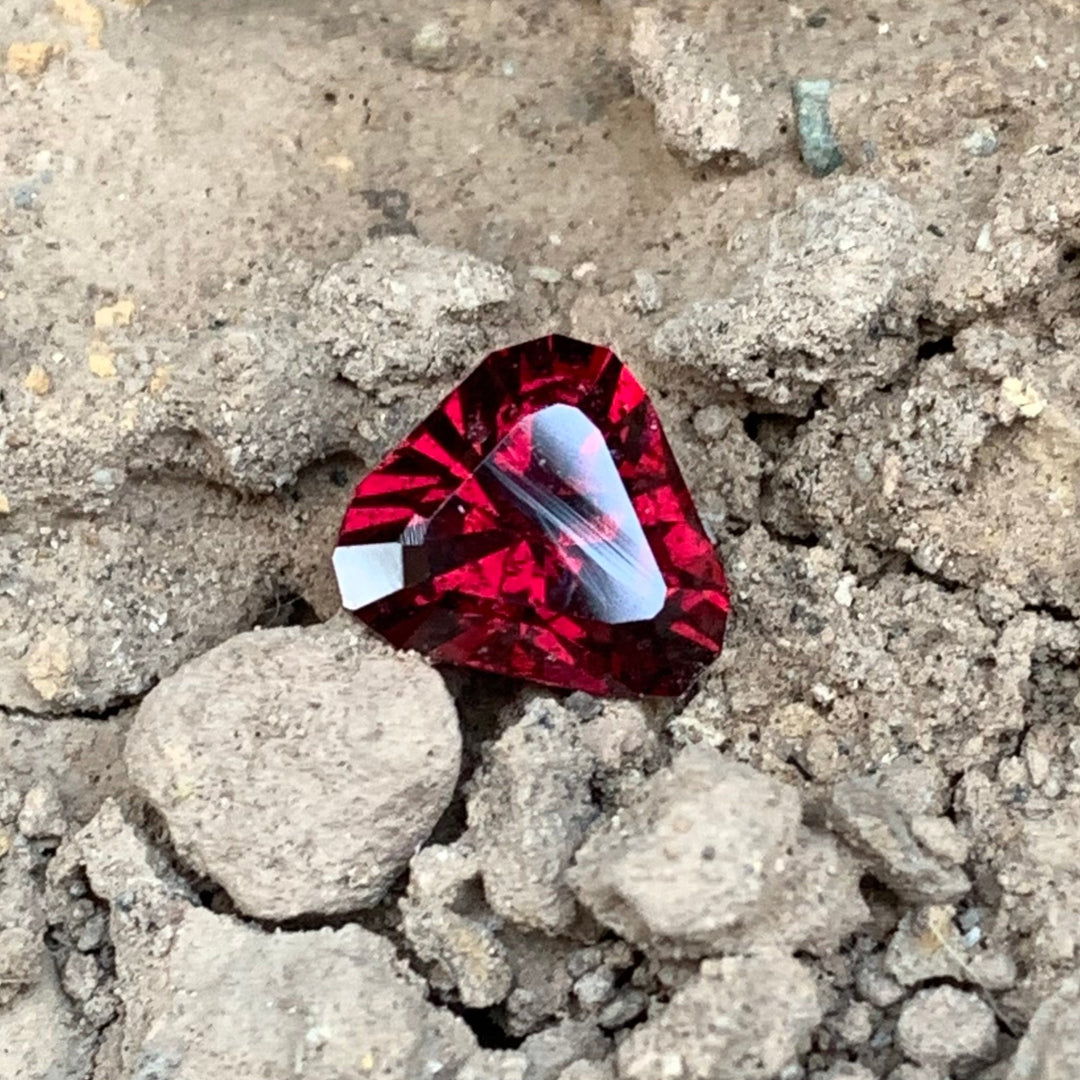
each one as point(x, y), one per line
point(368, 572)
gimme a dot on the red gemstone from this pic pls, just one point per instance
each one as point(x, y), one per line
point(536, 524)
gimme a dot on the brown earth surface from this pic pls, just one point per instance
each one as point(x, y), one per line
point(244, 246)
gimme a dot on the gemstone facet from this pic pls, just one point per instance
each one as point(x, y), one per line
point(536, 525)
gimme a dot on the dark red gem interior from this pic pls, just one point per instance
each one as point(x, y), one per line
point(558, 545)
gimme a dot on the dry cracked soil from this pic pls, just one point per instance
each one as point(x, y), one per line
point(244, 246)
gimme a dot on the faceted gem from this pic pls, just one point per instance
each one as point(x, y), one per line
point(536, 524)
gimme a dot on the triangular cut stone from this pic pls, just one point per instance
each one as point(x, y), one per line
point(536, 524)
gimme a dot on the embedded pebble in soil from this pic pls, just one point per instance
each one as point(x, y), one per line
point(948, 1028)
point(785, 333)
point(741, 1018)
point(705, 108)
point(712, 856)
point(529, 808)
point(879, 827)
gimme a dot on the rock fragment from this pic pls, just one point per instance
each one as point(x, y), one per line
point(80, 977)
point(65, 767)
point(190, 980)
point(289, 992)
point(847, 1070)
point(495, 1065)
point(401, 311)
point(528, 812)
point(1050, 1048)
point(278, 391)
point(588, 1070)
point(817, 143)
point(645, 295)
point(21, 956)
point(432, 47)
point(42, 812)
point(704, 109)
point(39, 1037)
point(297, 768)
point(741, 1018)
point(875, 985)
point(713, 857)
point(876, 825)
point(946, 1027)
point(928, 945)
point(784, 333)
point(553, 1049)
point(451, 928)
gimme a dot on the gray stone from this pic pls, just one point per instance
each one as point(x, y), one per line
point(589, 1070)
point(981, 142)
point(528, 811)
point(288, 992)
point(742, 1018)
point(553, 1049)
point(1050, 1048)
point(21, 956)
point(42, 812)
point(39, 1037)
point(875, 985)
point(879, 828)
point(705, 109)
point(712, 858)
point(432, 47)
point(628, 1005)
point(946, 1027)
point(80, 977)
point(847, 1070)
point(189, 980)
point(451, 928)
point(400, 311)
point(928, 945)
point(297, 767)
point(646, 294)
point(784, 332)
point(595, 987)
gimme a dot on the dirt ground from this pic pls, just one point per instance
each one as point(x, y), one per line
point(244, 246)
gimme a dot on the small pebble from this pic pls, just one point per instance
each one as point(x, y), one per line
point(81, 976)
point(584, 706)
point(595, 988)
point(646, 294)
point(875, 986)
point(42, 813)
point(92, 935)
point(982, 142)
point(817, 143)
point(945, 1027)
point(629, 1005)
point(548, 275)
point(433, 47)
point(855, 1024)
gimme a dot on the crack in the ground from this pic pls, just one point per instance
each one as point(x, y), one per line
point(1058, 612)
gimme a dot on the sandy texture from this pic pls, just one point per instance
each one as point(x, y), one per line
point(244, 246)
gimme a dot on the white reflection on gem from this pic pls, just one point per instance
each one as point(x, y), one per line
point(619, 575)
point(368, 572)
